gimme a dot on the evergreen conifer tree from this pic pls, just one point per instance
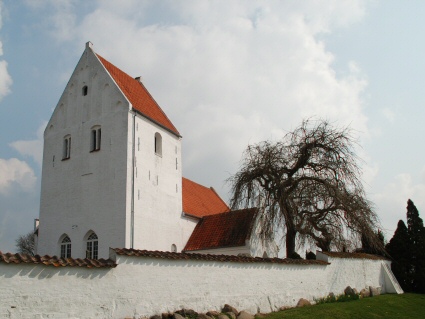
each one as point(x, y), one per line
point(399, 249)
point(416, 231)
point(407, 248)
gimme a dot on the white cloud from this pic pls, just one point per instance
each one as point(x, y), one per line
point(227, 75)
point(392, 200)
point(59, 15)
point(16, 173)
point(32, 148)
point(388, 114)
point(5, 78)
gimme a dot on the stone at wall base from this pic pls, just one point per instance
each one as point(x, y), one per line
point(303, 302)
point(348, 291)
point(231, 315)
point(213, 313)
point(177, 316)
point(245, 315)
point(228, 308)
point(374, 291)
point(365, 293)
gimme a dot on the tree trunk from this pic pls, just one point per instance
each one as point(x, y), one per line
point(290, 241)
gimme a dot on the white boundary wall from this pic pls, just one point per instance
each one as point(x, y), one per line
point(146, 286)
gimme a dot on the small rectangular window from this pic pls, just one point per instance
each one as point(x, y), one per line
point(95, 139)
point(66, 147)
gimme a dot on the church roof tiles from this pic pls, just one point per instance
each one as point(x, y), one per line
point(229, 229)
point(47, 260)
point(139, 96)
point(201, 201)
point(352, 255)
point(210, 257)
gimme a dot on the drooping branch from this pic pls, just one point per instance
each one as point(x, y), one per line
point(308, 185)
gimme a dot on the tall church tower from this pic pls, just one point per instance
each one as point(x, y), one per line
point(112, 172)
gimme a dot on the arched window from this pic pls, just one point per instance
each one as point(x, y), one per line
point(95, 138)
point(66, 247)
point(158, 144)
point(173, 248)
point(85, 90)
point(92, 250)
point(66, 147)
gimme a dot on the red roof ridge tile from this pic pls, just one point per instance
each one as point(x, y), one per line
point(210, 257)
point(212, 188)
point(336, 254)
point(10, 258)
point(137, 94)
point(199, 200)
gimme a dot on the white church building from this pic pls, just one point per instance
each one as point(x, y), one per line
point(112, 177)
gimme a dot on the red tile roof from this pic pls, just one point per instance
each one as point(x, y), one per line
point(139, 96)
point(208, 257)
point(352, 255)
point(201, 201)
point(10, 258)
point(230, 229)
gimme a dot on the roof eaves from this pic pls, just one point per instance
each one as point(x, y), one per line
point(215, 247)
point(176, 132)
point(214, 258)
point(191, 216)
point(55, 261)
point(156, 122)
point(333, 254)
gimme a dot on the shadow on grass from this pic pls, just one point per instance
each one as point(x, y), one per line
point(384, 306)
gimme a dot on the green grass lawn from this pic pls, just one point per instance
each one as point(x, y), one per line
point(384, 306)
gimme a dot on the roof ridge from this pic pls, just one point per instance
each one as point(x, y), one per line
point(11, 258)
point(209, 188)
point(354, 255)
point(231, 211)
point(196, 183)
point(212, 188)
point(153, 99)
point(210, 257)
point(199, 200)
point(138, 95)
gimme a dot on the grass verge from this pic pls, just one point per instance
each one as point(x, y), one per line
point(384, 306)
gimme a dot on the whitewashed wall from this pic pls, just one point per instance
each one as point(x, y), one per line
point(92, 191)
point(354, 272)
point(86, 192)
point(145, 286)
point(158, 220)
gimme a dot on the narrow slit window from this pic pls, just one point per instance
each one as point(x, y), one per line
point(85, 90)
point(95, 139)
point(66, 147)
point(158, 144)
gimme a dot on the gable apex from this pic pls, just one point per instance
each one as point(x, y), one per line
point(139, 97)
point(199, 201)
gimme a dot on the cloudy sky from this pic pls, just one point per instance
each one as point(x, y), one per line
point(227, 73)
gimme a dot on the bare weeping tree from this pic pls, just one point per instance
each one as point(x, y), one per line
point(25, 244)
point(308, 186)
